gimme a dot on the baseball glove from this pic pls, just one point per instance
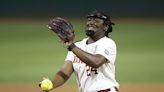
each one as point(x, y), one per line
point(62, 28)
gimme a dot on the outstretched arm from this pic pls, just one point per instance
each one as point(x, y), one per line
point(60, 78)
point(63, 74)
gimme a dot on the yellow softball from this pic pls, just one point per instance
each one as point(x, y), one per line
point(46, 85)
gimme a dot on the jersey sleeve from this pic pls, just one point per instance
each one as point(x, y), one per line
point(70, 56)
point(108, 50)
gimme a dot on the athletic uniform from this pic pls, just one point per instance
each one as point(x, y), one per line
point(90, 79)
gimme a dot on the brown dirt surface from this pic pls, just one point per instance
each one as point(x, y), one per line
point(73, 88)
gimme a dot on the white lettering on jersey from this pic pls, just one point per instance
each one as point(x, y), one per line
point(89, 69)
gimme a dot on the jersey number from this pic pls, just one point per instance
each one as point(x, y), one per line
point(91, 70)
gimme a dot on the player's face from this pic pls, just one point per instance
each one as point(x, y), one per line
point(96, 25)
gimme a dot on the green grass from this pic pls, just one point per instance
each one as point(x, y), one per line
point(29, 51)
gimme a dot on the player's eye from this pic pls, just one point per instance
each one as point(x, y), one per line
point(96, 20)
point(89, 19)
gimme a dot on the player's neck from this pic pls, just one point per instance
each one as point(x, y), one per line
point(94, 39)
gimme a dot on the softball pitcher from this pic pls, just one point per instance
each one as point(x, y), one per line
point(92, 59)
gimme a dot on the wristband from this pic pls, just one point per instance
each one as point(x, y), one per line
point(70, 47)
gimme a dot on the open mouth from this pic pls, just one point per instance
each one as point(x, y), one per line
point(91, 28)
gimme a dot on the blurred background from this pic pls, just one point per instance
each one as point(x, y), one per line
point(29, 51)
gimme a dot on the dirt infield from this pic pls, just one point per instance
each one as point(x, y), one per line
point(67, 88)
